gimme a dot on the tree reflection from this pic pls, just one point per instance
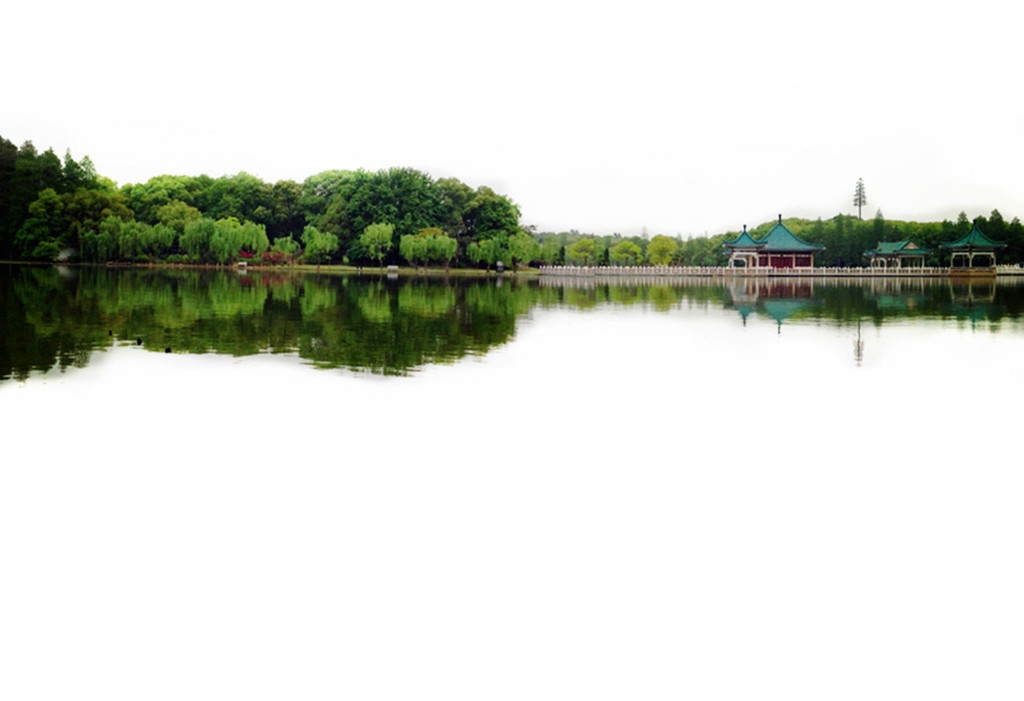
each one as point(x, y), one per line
point(56, 318)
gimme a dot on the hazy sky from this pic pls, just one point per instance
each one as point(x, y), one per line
point(597, 117)
point(683, 118)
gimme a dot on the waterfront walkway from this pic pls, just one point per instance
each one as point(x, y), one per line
point(721, 271)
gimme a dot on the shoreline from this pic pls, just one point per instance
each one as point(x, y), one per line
point(404, 271)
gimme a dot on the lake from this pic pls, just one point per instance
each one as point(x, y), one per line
point(265, 485)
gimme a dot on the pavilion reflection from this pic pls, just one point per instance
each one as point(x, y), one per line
point(780, 299)
point(975, 301)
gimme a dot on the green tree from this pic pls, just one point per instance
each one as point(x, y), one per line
point(549, 250)
point(522, 248)
point(626, 253)
point(444, 249)
point(661, 250)
point(456, 198)
point(859, 197)
point(130, 240)
point(24, 175)
point(581, 252)
point(100, 244)
point(878, 228)
point(287, 217)
point(488, 251)
point(489, 215)
point(195, 239)
point(243, 197)
point(995, 228)
point(287, 247)
point(319, 245)
point(1015, 241)
point(413, 249)
point(376, 240)
point(226, 241)
point(403, 197)
point(176, 214)
point(79, 175)
point(42, 235)
point(145, 199)
point(429, 245)
point(157, 241)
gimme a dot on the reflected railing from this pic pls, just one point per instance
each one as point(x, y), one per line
point(57, 317)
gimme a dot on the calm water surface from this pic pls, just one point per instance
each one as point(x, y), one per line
point(342, 487)
point(803, 374)
point(56, 318)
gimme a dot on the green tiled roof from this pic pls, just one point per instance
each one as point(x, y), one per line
point(973, 239)
point(892, 248)
point(782, 239)
point(778, 240)
point(743, 239)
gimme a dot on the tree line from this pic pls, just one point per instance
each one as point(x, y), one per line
point(846, 238)
point(52, 209)
point(576, 248)
point(392, 327)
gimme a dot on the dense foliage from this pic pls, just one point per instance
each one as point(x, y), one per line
point(51, 209)
point(845, 237)
point(55, 318)
point(576, 248)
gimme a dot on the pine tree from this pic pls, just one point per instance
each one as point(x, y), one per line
point(859, 198)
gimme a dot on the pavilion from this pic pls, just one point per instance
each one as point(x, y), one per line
point(971, 245)
point(780, 248)
point(897, 254)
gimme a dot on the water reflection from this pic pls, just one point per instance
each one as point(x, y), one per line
point(57, 317)
point(779, 299)
point(850, 300)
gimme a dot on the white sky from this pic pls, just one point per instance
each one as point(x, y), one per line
point(597, 117)
point(601, 117)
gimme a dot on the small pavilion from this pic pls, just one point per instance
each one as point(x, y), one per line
point(973, 244)
point(780, 248)
point(897, 254)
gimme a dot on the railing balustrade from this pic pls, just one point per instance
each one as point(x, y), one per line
point(710, 271)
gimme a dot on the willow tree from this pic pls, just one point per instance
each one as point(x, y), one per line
point(522, 248)
point(376, 239)
point(319, 245)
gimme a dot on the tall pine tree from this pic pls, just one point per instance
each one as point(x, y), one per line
point(859, 198)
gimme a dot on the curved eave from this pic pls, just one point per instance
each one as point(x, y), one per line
point(744, 241)
point(784, 252)
point(973, 240)
point(894, 254)
point(973, 246)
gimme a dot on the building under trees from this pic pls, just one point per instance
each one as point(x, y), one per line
point(897, 254)
point(780, 248)
point(973, 250)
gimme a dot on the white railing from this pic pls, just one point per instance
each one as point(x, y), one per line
point(708, 271)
